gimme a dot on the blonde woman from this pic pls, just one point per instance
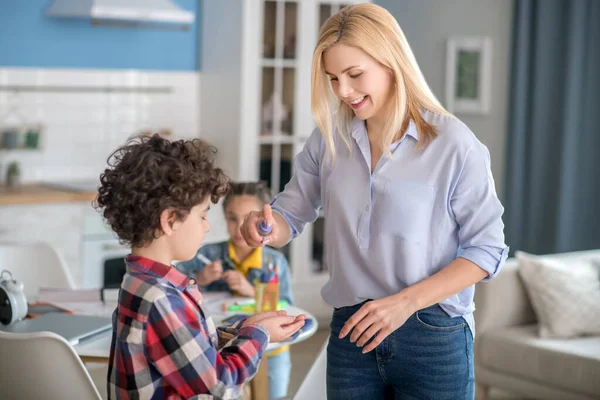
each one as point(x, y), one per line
point(412, 220)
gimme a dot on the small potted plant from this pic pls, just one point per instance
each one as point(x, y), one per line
point(13, 174)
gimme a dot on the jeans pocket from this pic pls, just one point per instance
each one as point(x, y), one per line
point(337, 321)
point(340, 316)
point(348, 311)
point(339, 311)
point(435, 319)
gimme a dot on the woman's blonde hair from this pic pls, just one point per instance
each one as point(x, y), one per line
point(374, 30)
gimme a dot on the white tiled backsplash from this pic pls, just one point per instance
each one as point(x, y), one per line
point(81, 128)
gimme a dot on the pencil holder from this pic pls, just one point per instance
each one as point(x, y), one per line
point(266, 296)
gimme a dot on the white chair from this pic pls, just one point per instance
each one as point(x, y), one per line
point(36, 265)
point(42, 365)
point(314, 385)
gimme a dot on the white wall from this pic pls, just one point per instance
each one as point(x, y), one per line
point(82, 128)
point(428, 23)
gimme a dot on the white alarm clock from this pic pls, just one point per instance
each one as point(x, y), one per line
point(13, 303)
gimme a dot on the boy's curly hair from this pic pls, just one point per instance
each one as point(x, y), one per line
point(150, 174)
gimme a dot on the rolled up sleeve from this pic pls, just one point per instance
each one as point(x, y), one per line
point(300, 201)
point(478, 213)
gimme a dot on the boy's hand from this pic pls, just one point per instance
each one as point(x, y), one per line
point(283, 326)
point(210, 273)
point(279, 325)
point(238, 282)
point(256, 318)
point(250, 232)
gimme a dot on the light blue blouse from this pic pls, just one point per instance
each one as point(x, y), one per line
point(411, 217)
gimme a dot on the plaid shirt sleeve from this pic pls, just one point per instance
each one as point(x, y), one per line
point(180, 347)
point(227, 333)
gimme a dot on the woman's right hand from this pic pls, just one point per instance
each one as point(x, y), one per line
point(279, 325)
point(249, 229)
point(210, 273)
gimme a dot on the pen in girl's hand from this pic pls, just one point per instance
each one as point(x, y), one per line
point(203, 258)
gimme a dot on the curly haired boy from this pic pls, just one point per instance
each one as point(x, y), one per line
point(155, 195)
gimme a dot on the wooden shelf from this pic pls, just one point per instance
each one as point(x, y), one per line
point(279, 62)
point(39, 193)
point(20, 150)
point(283, 139)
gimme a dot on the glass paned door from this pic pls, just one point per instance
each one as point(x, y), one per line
point(278, 88)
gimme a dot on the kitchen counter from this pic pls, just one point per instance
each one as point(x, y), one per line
point(40, 193)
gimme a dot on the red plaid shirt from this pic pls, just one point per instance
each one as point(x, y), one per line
point(164, 345)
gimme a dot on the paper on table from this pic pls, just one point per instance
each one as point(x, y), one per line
point(78, 301)
point(211, 297)
point(110, 295)
point(52, 295)
point(93, 308)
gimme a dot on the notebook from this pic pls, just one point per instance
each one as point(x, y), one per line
point(74, 328)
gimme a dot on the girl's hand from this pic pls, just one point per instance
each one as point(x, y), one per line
point(238, 283)
point(210, 273)
point(250, 232)
point(377, 319)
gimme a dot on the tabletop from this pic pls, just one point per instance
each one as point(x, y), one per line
point(99, 345)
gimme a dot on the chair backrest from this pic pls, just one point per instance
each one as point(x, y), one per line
point(314, 385)
point(36, 265)
point(42, 365)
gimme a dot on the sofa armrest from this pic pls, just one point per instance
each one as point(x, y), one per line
point(503, 301)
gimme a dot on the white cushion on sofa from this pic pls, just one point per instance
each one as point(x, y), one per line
point(564, 295)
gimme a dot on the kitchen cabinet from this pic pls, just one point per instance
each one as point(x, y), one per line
point(255, 79)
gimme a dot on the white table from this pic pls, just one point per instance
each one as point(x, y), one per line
point(97, 349)
point(99, 346)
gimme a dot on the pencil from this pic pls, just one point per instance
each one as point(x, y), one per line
point(203, 258)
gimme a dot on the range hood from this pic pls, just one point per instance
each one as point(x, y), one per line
point(141, 11)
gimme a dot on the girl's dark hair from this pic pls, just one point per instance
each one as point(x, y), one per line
point(151, 174)
point(258, 189)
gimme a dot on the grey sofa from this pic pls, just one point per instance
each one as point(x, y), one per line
point(510, 355)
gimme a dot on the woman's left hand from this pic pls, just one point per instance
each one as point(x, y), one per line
point(238, 283)
point(377, 319)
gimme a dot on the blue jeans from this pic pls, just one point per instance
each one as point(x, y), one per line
point(280, 367)
point(429, 357)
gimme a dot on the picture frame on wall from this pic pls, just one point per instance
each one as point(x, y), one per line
point(468, 74)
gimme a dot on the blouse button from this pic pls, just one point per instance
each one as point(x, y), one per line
point(192, 281)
